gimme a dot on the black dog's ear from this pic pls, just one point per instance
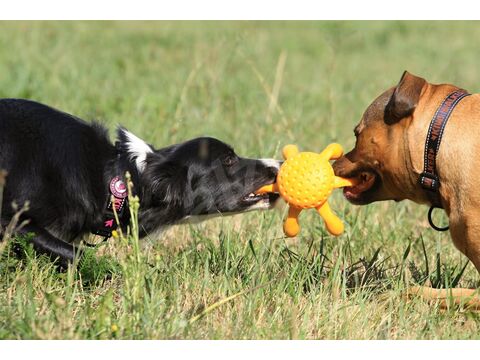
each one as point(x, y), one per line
point(164, 182)
point(135, 148)
point(405, 98)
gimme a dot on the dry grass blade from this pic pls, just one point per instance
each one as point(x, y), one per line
point(267, 90)
point(186, 87)
point(219, 303)
point(14, 224)
point(3, 179)
point(282, 59)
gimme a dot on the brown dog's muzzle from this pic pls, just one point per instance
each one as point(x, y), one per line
point(344, 165)
point(367, 178)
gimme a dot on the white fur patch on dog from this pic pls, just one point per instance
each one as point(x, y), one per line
point(137, 149)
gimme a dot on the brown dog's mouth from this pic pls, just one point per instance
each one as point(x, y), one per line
point(366, 181)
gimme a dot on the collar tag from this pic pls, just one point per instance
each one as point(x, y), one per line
point(118, 188)
point(118, 203)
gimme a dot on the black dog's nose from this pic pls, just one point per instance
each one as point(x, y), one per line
point(277, 167)
point(271, 165)
point(272, 172)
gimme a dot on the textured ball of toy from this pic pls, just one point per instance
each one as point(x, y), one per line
point(306, 180)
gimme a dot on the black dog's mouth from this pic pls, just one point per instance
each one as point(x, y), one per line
point(368, 182)
point(260, 201)
point(252, 198)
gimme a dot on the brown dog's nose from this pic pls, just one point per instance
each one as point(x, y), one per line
point(337, 166)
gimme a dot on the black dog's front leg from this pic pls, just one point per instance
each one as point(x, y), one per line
point(45, 243)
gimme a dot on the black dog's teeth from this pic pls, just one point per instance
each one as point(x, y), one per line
point(253, 196)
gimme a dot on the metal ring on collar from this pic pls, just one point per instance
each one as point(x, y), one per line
point(430, 221)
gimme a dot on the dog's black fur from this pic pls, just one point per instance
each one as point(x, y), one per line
point(62, 166)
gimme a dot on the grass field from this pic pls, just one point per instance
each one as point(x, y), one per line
point(258, 86)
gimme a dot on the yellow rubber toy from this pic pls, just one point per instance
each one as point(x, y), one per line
point(305, 181)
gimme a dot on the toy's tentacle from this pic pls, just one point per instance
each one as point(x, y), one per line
point(342, 182)
point(267, 189)
point(332, 152)
point(289, 151)
point(332, 222)
point(291, 226)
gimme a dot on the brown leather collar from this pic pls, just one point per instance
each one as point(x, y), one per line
point(428, 179)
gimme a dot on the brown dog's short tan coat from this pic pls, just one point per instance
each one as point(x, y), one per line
point(388, 155)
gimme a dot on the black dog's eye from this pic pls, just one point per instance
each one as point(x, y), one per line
point(229, 160)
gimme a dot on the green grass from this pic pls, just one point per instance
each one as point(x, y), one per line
point(170, 81)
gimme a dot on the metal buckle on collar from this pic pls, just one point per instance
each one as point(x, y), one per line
point(429, 181)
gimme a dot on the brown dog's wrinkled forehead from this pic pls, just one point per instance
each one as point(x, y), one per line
point(376, 110)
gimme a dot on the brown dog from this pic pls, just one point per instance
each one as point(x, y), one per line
point(389, 156)
point(389, 151)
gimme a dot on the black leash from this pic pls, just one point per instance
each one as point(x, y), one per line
point(428, 178)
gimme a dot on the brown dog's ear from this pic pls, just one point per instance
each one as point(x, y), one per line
point(405, 98)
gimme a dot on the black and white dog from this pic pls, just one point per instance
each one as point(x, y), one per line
point(73, 177)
